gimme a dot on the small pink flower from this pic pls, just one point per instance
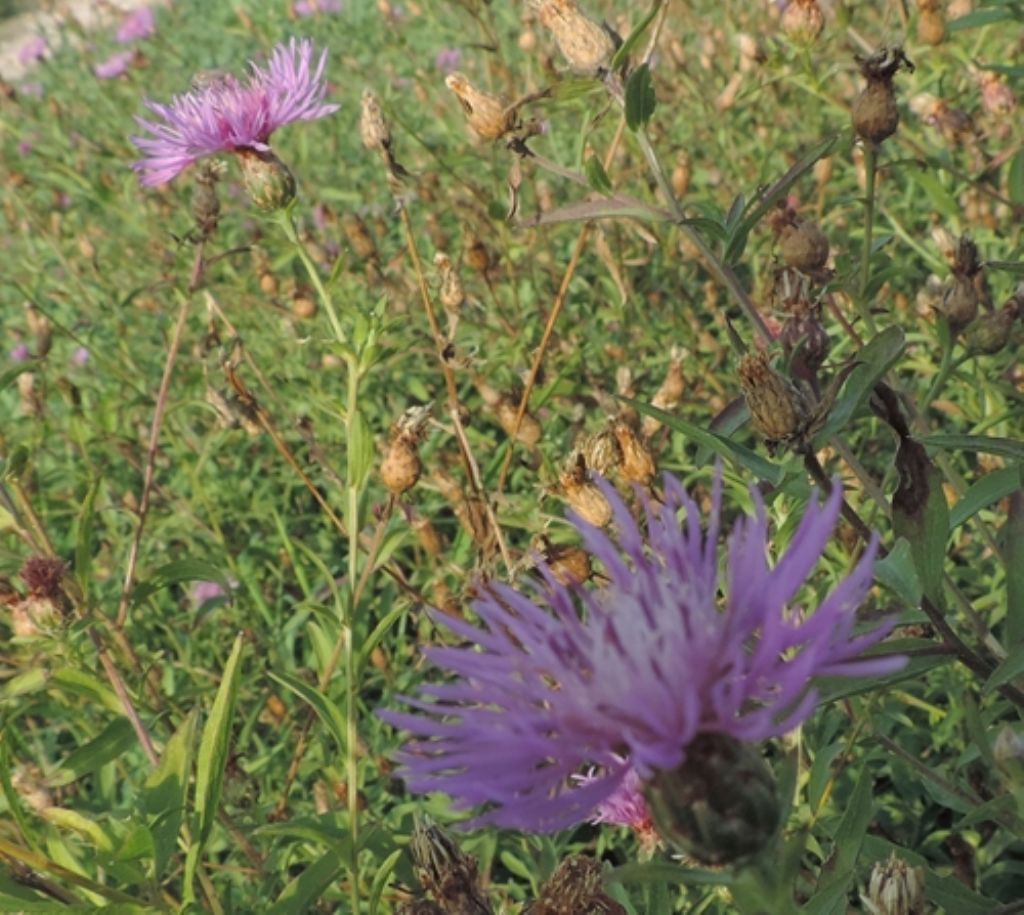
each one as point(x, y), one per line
point(115, 65)
point(20, 353)
point(202, 592)
point(80, 357)
point(448, 60)
point(306, 8)
point(139, 24)
point(31, 89)
point(34, 49)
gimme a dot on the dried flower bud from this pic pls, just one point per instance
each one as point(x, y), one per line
point(637, 464)
point(574, 887)
point(669, 394)
point(268, 181)
point(583, 495)
point(429, 537)
point(875, 113)
point(587, 46)
point(373, 129)
point(931, 24)
point(961, 300)
point(401, 467)
point(991, 332)
point(804, 246)
point(570, 565)
point(681, 174)
point(895, 888)
point(446, 872)
point(804, 334)
point(477, 255)
point(488, 115)
point(601, 452)
point(41, 329)
point(358, 236)
point(803, 21)
point(529, 432)
point(778, 409)
point(721, 805)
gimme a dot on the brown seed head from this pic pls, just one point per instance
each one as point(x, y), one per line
point(373, 129)
point(359, 237)
point(529, 432)
point(804, 246)
point(570, 565)
point(875, 113)
point(931, 23)
point(452, 293)
point(489, 117)
point(803, 21)
point(574, 887)
point(779, 412)
point(445, 871)
point(583, 495)
point(991, 332)
point(895, 888)
point(586, 45)
point(637, 461)
point(669, 395)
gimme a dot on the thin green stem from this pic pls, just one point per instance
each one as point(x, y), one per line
point(351, 708)
point(871, 171)
point(287, 222)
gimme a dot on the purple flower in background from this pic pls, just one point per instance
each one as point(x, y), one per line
point(626, 806)
point(448, 60)
point(304, 8)
point(20, 353)
point(115, 65)
point(138, 24)
point(226, 115)
point(32, 50)
point(31, 89)
point(203, 592)
point(80, 357)
point(655, 662)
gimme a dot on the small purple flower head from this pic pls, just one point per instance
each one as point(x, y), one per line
point(448, 60)
point(202, 592)
point(32, 50)
point(115, 65)
point(306, 8)
point(80, 357)
point(625, 806)
point(138, 24)
point(226, 115)
point(656, 661)
point(20, 353)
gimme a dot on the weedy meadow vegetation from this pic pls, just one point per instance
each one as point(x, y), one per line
point(295, 618)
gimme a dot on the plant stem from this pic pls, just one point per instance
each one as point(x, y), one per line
point(871, 169)
point(287, 223)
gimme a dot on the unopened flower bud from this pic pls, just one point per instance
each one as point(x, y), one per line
point(681, 174)
point(875, 113)
point(488, 115)
point(268, 181)
point(529, 432)
point(575, 886)
point(401, 467)
point(991, 332)
point(961, 299)
point(895, 888)
point(931, 23)
point(804, 246)
point(779, 411)
point(720, 806)
point(803, 21)
point(570, 565)
point(583, 495)
point(586, 45)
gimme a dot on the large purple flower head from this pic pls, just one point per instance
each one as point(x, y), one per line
point(654, 662)
point(226, 115)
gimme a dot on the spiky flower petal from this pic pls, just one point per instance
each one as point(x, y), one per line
point(544, 694)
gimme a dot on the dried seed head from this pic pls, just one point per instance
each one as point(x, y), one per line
point(489, 117)
point(803, 21)
point(529, 432)
point(574, 887)
point(477, 255)
point(583, 495)
point(895, 888)
point(587, 46)
point(931, 23)
point(804, 334)
point(445, 871)
point(401, 467)
point(779, 411)
point(637, 461)
point(601, 452)
point(41, 329)
point(429, 537)
point(359, 237)
point(452, 293)
point(875, 113)
point(804, 246)
point(373, 129)
point(681, 174)
point(268, 181)
point(570, 565)
point(669, 395)
point(43, 576)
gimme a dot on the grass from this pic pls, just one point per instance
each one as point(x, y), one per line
point(268, 784)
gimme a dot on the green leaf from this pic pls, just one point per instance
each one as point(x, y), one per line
point(643, 872)
point(300, 894)
point(327, 711)
point(597, 176)
point(980, 18)
point(640, 99)
point(175, 572)
point(1010, 667)
point(215, 744)
point(114, 740)
point(874, 360)
point(8, 375)
point(921, 515)
point(83, 538)
point(1014, 267)
point(381, 878)
point(984, 492)
point(165, 793)
point(360, 451)
point(626, 48)
point(86, 686)
point(1007, 447)
point(897, 573)
point(724, 447)
point(838, 871)
point(86, 827)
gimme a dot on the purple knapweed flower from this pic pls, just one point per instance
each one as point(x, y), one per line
point(655, 662)
point(626, 806)
point(138, 24)
point(202, 592)
point(306, 8)
point(80, 357)
point(447, 60)
point(20, 353)
point(226, 115)
point(115, 65)
point(33, 50)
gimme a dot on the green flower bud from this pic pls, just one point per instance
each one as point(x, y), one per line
point(268, 181)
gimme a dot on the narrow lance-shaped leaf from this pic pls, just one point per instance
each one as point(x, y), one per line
point(921, 515)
